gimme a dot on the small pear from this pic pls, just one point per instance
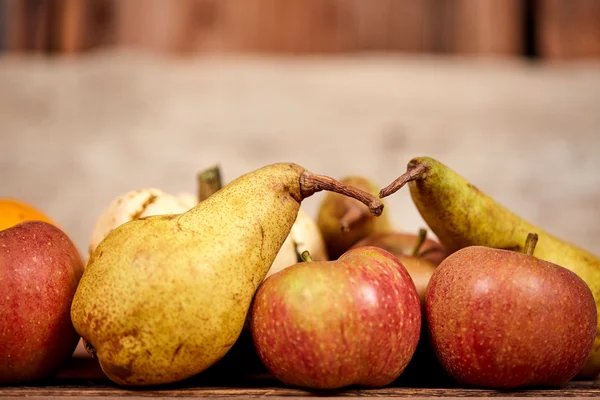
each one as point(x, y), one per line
point(165, 297)
point(344, 221)
point(461, 216)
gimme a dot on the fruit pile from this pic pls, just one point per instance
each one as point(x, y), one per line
point(174, 282)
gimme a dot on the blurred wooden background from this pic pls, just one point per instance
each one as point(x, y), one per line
point(549, 29)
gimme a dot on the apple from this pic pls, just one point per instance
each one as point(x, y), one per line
point(330, 324)
point(40, 269)
point(502, 319)
point(420, 256)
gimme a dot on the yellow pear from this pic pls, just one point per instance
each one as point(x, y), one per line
point(462, 215)
point(165, 297)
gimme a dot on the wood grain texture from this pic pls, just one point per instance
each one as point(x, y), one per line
point(25, 25)
point(322, 26)
point(269, 388)
point(479, 27)
point(79, 25)
point(166, 27)
point(563, 30)
point(391, 25)
point(568, 29)
point(270, 26)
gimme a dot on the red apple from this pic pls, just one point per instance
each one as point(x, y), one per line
point(502, 319)
point(39, 271)
point(420, 256)
point(330, 324)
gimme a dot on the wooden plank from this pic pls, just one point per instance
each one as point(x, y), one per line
point(485, 27)
point(269, 388)
point(79, 25)
point(568, 29)
point(392, 25)
point(27, 25)
point(3, 24)
point(323, 26)
point(274, 26)
point(291, 26)
point(184, 26)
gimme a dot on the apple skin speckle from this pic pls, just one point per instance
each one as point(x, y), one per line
point(331, 324)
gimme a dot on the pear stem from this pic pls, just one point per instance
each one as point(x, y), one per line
point(412, 174)
point(312, 183)
point(354, 213)
point(306, 256)
point(530, 243)
point(209, 182)
point(420, 241)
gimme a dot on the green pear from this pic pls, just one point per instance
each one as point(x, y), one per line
point(343, 221)
point(462, 215)
point(165, 297)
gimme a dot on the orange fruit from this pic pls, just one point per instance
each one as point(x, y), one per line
point(13, 212)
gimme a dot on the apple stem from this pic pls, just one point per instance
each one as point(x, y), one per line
point(312, 183)
point(209, 182)
point(420, 241)
point(530, 243)
point(354, 213)
point(413, 173)
point(306, 256)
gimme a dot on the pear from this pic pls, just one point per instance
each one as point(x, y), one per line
point(165, 297)
point(461, 216)
point(344, 221)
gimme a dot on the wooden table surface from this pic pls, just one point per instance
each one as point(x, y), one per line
point(82, 378)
